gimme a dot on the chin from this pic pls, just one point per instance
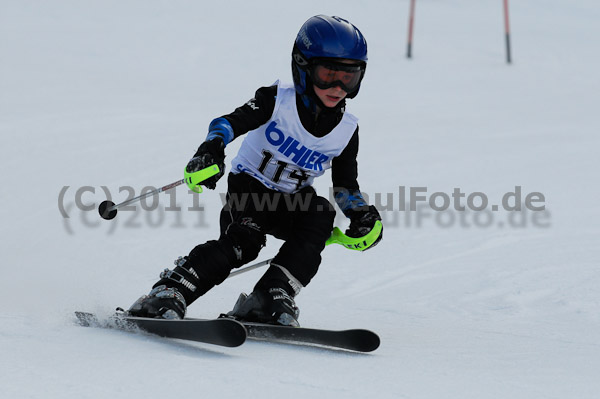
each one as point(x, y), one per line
point(330, 103)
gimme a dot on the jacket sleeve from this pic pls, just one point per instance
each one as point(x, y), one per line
point(254, 113)
point(344, 175)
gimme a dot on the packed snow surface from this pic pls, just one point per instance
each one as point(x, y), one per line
point(105, 98)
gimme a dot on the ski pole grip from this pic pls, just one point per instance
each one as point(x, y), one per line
point(194, 179)
point(355, 243)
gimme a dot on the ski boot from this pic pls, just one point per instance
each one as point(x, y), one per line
point(160, 303)
point(271, 306)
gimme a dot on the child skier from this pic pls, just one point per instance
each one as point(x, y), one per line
point(296, 132)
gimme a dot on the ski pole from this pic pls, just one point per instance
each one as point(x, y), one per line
point(251, 267)
point(108, 209)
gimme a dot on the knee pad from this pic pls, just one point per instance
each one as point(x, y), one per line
point(245, 239)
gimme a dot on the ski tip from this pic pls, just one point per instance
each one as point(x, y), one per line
point(363, 340)
point(235, 330)
point(370, 342)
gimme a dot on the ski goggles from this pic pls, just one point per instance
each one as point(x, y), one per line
point(326, 74)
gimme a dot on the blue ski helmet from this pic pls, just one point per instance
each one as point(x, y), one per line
point(324, 37)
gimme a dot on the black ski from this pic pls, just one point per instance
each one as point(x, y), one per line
point(231, 333)
point(224, 332)
point(356, 340)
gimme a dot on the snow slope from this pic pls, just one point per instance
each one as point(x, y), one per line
point(468, 305)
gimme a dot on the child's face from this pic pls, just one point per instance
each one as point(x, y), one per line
point(333, 95)
point(330, 97)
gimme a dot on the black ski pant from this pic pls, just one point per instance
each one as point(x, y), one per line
point(303, 220)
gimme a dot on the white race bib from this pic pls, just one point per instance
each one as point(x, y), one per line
point(282, 154)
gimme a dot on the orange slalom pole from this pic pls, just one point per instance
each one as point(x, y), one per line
point(411, 23)
point(507, 32)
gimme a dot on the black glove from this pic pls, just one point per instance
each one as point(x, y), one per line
point(209, 153)
point(362, 222)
